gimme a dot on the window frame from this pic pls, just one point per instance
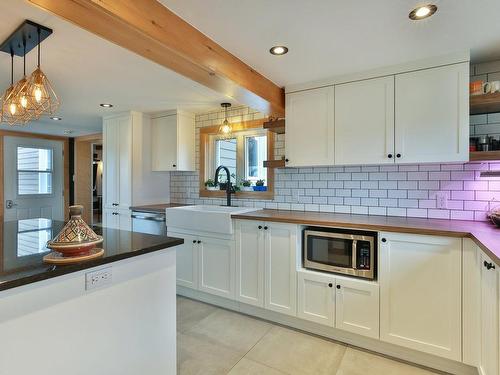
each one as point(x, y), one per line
point(209, 134)
point(48, 172)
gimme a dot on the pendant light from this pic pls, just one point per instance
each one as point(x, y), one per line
point(42, 96)
point(12, 112)
point(21, 93)
point(225, 130)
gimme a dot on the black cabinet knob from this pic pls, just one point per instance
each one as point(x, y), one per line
point(260, 226)
point(389, 156)
point(115, 213)
point(286, 160)
point(194, 241)
point(398, 155)
point(265, 228)
point(199, 241)
point(174, 165)
point(114, 204)
point(338, 286)
point(489, 266)
point(384, 240)
point(330, 285)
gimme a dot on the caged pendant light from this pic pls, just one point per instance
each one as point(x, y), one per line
point(12, 112)
point(41, 95)
point(225, 130)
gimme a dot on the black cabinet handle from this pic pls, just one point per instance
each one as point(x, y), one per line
point(489, 266)
point(199, 241)
point(338, 286)
point(330, 285)
point(398, 155)
point(389, 156)
point(260, 226)
point(114, 204)
point(384, 240)
point(265, 228)
point(115, 213)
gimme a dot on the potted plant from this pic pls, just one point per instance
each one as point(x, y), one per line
point(210, 184)
point(246, 185)
point(259, 186)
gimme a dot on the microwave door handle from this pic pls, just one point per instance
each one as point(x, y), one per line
point(354, 254)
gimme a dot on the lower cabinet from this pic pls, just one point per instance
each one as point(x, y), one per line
point(216, 266)
point(420, 293)
point(187, 261)
point(348, 304)
point(117, 219)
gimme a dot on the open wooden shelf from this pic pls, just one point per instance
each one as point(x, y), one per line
point(484, 155)
point(276, 126)
point(487, 103)
point(274, 163)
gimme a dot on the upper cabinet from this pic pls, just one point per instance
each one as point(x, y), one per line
point(432, 115)
point(420, 116)
point(309, 137)
point(364, 122)
point(173, 142)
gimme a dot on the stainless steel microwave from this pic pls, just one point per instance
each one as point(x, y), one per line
point(340, 251)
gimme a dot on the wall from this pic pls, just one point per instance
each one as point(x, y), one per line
point(395, 190)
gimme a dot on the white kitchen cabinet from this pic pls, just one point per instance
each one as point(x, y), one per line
point(364, 122)
point(490, 317)
point(309, 137)
point(280, 268)
point(117, 218)
point(250, 262)
point(420, 293)
point(432, 115)
point(216, 266)
point(186, 260)
point(357, 307)
point(173, 142)
point(127, 176)
point(316, 298)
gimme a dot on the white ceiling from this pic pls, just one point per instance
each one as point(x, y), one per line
point(86, 70)
point(333, 37)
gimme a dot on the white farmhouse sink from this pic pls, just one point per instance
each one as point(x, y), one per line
point(205, 218)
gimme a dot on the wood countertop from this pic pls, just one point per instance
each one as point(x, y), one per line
point(484, 234)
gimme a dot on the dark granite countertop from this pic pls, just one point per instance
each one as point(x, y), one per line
point(22, 247)
point(156, 208)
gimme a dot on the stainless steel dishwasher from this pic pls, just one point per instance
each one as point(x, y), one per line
point(149, 222)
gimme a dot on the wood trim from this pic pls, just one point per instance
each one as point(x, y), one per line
point(66, 176)
point(89, 137)
point(151, 30)
point(274, 163)
point(276, 126)
point(210, 130)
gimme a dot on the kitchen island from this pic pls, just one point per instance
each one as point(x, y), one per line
point(59, 320)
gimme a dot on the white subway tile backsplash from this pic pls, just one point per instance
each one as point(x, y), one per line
point(390, 189)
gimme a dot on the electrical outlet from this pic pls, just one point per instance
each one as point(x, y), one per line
point(296, 195)
point(99, 278)
point(441, 199)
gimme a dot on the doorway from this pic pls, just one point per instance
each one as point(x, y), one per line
point(33, 178)
point(97, 170)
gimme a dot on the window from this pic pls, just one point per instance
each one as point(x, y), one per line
point(34, 171)
point(255, 154)
point(225, 154)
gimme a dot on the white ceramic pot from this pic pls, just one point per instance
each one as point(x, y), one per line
point(212, 188)
point(246, 188)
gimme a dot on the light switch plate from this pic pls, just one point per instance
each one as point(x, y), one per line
point(98, 279)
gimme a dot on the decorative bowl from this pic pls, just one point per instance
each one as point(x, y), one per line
point(495, 219)
point(76, 238)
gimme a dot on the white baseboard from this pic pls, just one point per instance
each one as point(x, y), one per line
point(398, 352)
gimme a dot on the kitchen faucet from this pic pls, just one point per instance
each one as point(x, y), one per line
point(229, 185)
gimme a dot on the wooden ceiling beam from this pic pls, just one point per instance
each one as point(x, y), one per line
point(151, 30)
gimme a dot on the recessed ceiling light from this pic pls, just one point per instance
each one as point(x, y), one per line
point(422, 12)
point(55, 118)
point(106, 105)
point(278, 50)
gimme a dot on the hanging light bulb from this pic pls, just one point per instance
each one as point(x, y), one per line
point(225, 130)
point(12, 112)
point(22, 95)
point(40, 94)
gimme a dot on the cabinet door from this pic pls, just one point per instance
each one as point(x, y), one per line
point(315, 297)
point(364, 122)
point(250, 262)
point(281, 271)
point(187, 261)
point(185, 142)
point(420, 293)
point(309, 137)
point(110, 218)
point(432, 115)
point(111, 165)
point(164, 143)
point(489, 318)
point(357, 307)
point(125, 162)
point(125, 220)
point(217, 263)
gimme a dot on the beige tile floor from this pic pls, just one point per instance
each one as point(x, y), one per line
point(211, 340)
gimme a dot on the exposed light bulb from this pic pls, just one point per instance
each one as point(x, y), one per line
point(24, 101)
point(38, 94)
point(422, 11)
point(12, 108)
point(226, 129)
